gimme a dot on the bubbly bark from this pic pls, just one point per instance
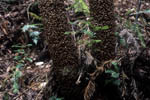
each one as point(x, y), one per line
point(63, 74)
point(102, 14)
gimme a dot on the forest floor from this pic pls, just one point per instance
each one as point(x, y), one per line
point(29, 74)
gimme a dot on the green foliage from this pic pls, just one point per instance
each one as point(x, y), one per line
point(139, 34)
point(15, 86)
point(35, 16)
point(6, 96)
point(55, 98)
point(97, 28)
point(114, 74)
point(135, 27)
point(84, 30)
point(80, 6)
point(20, 60)
point(27, 27)
point(121, 40)
point(145, 11)
point(32, 30)
point(21, 46)
point(84, 26)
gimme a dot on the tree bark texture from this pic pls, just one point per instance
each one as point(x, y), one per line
point(102, 14)
point(62, 49)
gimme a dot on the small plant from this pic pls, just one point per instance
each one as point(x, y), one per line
point(139, 34)
point(55, 98)
point(137, 30)
point(21, 57)
point(86, 36)
point(80, 6)
point(135, 27)
point(33, 31)
point(84, 28)
point(114, 74)
point(35, 16)
point(86, 32)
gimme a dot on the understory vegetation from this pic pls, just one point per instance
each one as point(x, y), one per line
point(74, 50)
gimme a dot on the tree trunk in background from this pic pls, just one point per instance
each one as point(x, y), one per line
point(63, 52)
point(102, 14)
point(64, 71)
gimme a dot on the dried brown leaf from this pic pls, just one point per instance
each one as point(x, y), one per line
point(89, 90)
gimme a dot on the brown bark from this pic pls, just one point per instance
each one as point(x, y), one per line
point(64, 71)
point(62, 50)
point(102, 14)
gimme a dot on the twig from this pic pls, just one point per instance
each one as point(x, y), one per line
point(28, 13)
point(99, 70)
point(138, 9)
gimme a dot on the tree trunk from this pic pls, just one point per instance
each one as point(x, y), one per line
point(102, 14)
point(62, 49)
point(64, 71)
